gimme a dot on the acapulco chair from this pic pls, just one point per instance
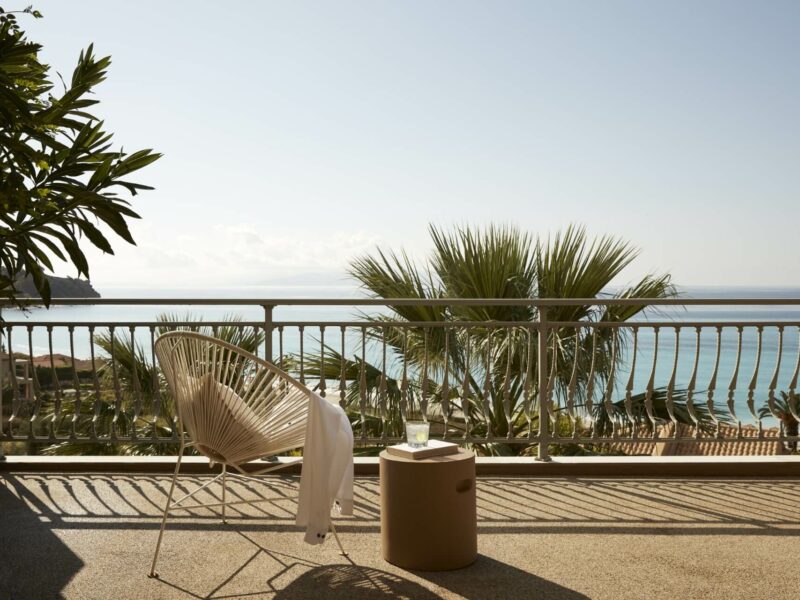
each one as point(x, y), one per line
point(234, 407)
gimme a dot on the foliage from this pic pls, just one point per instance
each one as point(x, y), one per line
point(130, 393)
point(787, 411)
point(480, 379)
point(633, 413)
point(60, 178)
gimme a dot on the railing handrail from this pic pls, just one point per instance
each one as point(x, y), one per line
point(372, 324)
point(275, 302)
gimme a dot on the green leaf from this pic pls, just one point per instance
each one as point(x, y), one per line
point(60, 173)
point(96, 237)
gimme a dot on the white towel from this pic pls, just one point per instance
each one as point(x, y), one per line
point(327, 476)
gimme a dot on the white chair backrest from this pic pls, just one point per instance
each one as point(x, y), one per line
point(235, 406)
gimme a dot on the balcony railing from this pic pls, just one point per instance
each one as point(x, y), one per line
point(549, 377)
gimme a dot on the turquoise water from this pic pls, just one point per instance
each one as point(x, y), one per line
point(683, 367)
point(144, 314)
point(751, 371)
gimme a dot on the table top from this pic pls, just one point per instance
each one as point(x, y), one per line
point(462, 454)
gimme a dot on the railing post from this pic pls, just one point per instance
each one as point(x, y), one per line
point(11, 365)
point(268, 327)
point(544, 414)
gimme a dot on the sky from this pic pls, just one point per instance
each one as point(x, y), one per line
point(299, 135)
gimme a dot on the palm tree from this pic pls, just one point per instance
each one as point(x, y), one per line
point(787, 408)
point(129, 394)
point(619, 421)
point(478, 379)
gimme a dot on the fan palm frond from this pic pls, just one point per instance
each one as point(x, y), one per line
point(495, 262)
point(491, 370)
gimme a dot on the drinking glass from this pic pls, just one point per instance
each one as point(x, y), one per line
point(417, 433)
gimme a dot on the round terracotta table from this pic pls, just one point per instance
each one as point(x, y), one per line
point(428, 515)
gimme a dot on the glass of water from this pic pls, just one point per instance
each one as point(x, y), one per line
point(417, 433)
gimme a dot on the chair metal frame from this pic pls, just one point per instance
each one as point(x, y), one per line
point(174, 368)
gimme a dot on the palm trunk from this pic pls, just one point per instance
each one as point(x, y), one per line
point(791, 427)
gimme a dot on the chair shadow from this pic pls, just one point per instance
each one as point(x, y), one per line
point(352, 582)
point(489, 578)
point(329, 582)
point(34, 562)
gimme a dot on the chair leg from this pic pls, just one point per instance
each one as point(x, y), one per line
point(224, 489)
point(338, 541)
point(166, 512)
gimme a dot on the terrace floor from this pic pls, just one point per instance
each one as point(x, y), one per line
point(92, 536)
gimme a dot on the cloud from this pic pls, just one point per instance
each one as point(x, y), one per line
point(227, 255)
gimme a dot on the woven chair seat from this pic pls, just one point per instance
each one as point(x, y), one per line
point(235, 407)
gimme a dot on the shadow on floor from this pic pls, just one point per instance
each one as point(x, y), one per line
point(346, 582)
point(509, 505)
point(309, 579)
point(34, 562)
point(488, 578)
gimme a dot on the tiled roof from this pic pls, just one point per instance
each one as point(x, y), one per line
point(746, 445)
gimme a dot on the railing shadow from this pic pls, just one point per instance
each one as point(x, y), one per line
point(75, 501)
point(689, 506)
point(505, 504)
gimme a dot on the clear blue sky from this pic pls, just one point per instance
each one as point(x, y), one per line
point(297, 135)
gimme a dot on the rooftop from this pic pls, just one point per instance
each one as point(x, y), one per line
point(92, 536)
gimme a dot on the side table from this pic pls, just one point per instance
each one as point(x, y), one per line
point(428, 512)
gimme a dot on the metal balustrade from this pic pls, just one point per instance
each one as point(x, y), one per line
point(505, 386)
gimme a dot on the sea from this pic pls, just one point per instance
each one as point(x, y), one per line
point(749, 372)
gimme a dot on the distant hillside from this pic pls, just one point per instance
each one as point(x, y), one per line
point(60, 287)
